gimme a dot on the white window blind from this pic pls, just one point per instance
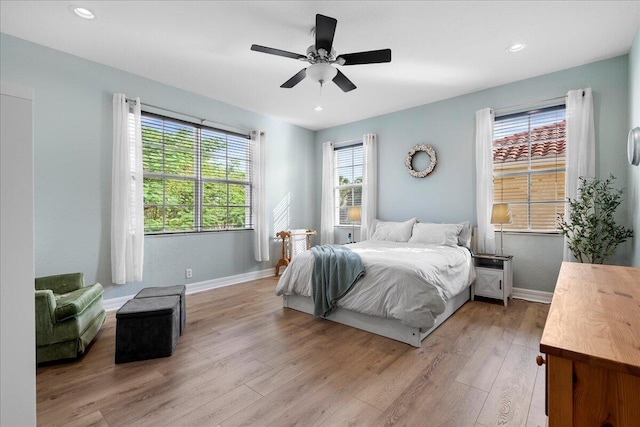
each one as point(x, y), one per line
point(529, 154)
point(196, 178)
point(348, 164)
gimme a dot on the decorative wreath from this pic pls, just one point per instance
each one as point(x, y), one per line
point(409, 160)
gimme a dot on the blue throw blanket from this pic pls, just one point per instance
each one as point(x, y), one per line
point(335, 270)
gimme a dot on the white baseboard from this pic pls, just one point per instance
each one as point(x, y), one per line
point(115, 303)
point(531, 295)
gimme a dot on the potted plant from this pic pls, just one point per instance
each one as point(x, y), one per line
point(591, 230)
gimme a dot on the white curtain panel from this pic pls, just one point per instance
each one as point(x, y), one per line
point(127, 209)
point(581, 147)
point(369, 185)
point(260, 227)
point(486, 241)
point(328, 193)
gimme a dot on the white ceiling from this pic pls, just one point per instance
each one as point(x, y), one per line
point(439, 49)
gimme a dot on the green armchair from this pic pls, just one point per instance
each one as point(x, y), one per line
point(68, 316)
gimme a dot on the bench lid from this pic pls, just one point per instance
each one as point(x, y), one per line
point(161, 291)
point(145, 307)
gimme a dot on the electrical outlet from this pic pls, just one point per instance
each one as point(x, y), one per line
point(188, 273)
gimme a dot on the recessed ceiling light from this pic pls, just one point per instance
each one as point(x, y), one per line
point(517, 47)
point(82, 12)
point(318, 108)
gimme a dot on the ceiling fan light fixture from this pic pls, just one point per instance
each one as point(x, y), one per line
point(322, 56)
point(321, 73)
point(516, 47)
point(82, 12)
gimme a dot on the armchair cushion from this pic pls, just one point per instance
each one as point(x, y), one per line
point(73, 303)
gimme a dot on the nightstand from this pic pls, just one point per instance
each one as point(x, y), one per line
point(494, 276)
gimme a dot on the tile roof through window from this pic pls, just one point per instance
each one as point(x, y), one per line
point(545, 140)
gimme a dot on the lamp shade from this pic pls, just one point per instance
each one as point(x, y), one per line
point(500, 213)
point(353, 213)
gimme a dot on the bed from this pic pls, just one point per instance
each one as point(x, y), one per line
point(416, 276)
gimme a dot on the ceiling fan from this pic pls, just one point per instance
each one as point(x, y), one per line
point(322, 56)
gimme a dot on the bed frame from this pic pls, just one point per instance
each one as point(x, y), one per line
point(390, 328)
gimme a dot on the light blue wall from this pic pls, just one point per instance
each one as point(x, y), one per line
point(72, 143)
point(72, 149)
point(448, 194)
point(634, 171)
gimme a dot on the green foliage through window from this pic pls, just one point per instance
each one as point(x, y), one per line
point(349, 166)
point(196, 178)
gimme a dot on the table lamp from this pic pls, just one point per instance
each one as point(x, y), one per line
point(353, 215)
point(501, 214)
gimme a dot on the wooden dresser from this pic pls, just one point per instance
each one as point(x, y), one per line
point(592, 344)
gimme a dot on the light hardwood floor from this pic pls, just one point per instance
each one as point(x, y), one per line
point(245, 360)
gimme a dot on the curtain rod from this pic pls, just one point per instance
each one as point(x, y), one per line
point(237, 130)
point(348, 143)
point(557, 98)
point(526, 104)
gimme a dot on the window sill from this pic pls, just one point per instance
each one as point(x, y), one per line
point(530, 233)
point(195, 233)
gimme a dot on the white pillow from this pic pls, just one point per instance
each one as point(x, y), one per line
point(435, 234)
point(393, 231)
point(464, 238)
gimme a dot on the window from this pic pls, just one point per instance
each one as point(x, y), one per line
point(529, 153)
point(348, 162)
point(196, 178)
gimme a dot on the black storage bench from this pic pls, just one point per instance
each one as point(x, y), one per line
point(147, 328)
point(163, 291)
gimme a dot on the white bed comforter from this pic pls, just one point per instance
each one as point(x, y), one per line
point(404, 281)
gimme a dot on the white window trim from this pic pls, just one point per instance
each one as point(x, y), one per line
point(199, 182)
point(528, 173)
point(338, 187)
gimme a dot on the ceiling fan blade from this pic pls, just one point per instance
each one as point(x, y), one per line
point(369, 57)
point(295, 79)
point(278, 52)
point(325, 30)
point(343, 82)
